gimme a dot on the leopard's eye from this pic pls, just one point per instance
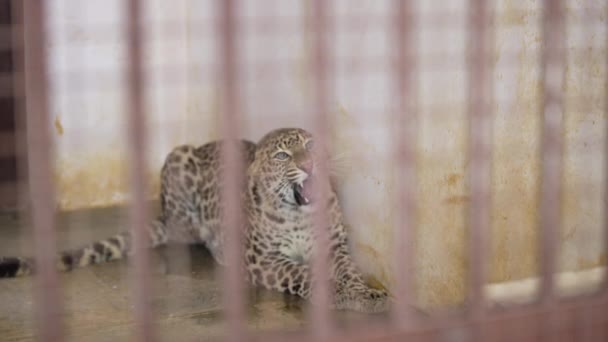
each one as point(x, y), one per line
point(281, 155)
point(309, 145)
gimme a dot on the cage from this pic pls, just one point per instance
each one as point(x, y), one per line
point(466, 142)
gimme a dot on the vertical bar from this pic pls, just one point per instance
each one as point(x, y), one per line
point(321, 318)
point(552, 71)
point(605, 281)
point(233, 277)
point(480, 140)
point(40, 157)
point(584, 326)
point(601, 314)
point(406, 119)
point(136, 138)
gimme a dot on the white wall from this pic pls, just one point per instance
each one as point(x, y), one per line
point(88, 60)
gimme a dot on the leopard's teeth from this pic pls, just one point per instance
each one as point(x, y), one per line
point(306, 201)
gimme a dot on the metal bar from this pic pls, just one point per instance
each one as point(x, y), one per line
point(266, 25)
point(136, 138)
point(40, 158)
point(605, 282)
point(552, 71)
point(587, 331)
point(267, 70)
point(584, 326)
point(406, 120)
point(322, 323)
point(480, 140)
point(527, 319)
point(233, 278)
point(552, 68)
point(605, 231)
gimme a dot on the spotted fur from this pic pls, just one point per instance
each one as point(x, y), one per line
point(279, 233)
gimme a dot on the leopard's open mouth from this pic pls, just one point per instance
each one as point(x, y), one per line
point(302, 192)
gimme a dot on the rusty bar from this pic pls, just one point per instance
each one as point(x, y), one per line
point(322, 324)
point(405, 136)
point(552, 69)
point(233, 277)
point(49, 307)
point(480, 139)
point(136, 138)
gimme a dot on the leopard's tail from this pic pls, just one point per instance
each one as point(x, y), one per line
point(113, 248)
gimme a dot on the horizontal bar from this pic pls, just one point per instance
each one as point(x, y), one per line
point(527, 318)
point(274, 26)
point(136, 139)
point(48, 297)
point(100, 79)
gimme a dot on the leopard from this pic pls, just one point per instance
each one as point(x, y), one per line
point(279, 207)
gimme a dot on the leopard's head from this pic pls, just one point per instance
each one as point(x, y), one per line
point(284, 166)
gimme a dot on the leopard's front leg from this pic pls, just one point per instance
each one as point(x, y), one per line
point(277, 271)
point(351, 291)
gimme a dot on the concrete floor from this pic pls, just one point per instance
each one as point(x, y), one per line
point(187, 292)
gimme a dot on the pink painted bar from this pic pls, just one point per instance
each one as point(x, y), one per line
point(136, 138)
point(553, 68)
point(480, 150)
point(523, 320)
point(553, 71)
point(49, 306)
point(405, 136)
point(322, 321)
point(233, 185)
point(604, 289)
point(480, 47)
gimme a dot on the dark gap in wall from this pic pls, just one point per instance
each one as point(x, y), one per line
point(8, 158)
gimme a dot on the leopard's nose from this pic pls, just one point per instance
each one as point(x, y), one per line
point(307, 165)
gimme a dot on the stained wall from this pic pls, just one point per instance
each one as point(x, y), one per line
point(88, 59)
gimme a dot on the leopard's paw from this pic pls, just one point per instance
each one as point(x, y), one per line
point(366, 299)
